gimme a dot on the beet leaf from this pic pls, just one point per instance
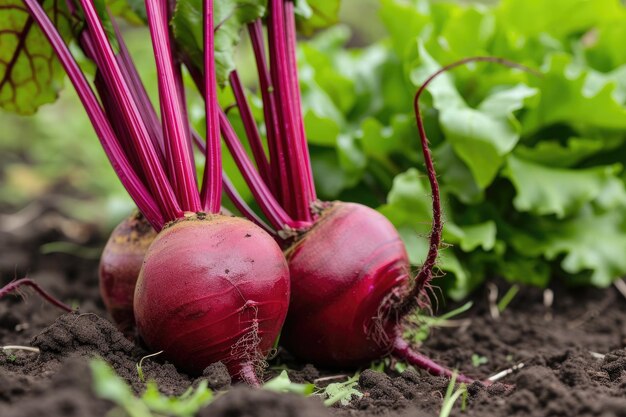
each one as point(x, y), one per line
point(30, 74)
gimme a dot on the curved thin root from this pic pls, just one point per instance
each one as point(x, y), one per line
point(15, 285)
point(411, 300)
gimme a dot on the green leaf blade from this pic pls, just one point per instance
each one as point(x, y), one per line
point(30, 74)
point(231, 17)
point(544, 190)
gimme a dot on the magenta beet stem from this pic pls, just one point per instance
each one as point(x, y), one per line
point(133, 184)
point(270, 207)
point(243, 207)
point(15, 285)
point(157, 179)
point(297, 202)
point(294, 85)
point(403, 350)
point(179, 155)
point(252, 131)
point(140, 94)
point(280, 178)
point(212, 179)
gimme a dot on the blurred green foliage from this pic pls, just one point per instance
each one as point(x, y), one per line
point(56, 154)
point(531, 168)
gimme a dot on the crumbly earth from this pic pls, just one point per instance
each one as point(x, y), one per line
point(573, 350)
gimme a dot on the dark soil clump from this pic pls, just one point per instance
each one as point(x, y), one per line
point(66, 393)
point(243, 401)
point(217, 377)
point(89, 335)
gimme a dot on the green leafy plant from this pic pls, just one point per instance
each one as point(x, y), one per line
point(24, 84)
point(507, 298)
point(478, 360)
point(282, 383)
point(186, 405)
point(390, 363)
point(108, 385)
point(139, 365)
point(230, 17)
point(531, 167)
point(338, 392)
point(341, 392)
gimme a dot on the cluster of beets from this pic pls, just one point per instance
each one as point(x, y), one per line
point(332, 279)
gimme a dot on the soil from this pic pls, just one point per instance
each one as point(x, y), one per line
point(573, 349)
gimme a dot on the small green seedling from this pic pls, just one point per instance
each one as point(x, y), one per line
point(452, 396)
point(400, 366)
point(389, 363)
point(478, 360)
point(108, 385)
point(140, 363)
point(7, 350)
point(423, 324)
point(507, 298)
point(187, 405)
point(282, 383)
point(341, 392)
point(380, 365)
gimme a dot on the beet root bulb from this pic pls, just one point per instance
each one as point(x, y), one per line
point(349, 273)
point(213, 289)
point(343, 271)
point(120, 264)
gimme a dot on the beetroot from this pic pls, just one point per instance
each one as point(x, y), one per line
point(351, 282)
point(342, 271)
point(120, 264)
point(206, 302)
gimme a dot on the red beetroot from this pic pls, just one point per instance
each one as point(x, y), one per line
point(120, 264)
point(213, 289)
point(342, 271)
point(351, 289)
point(355, 256)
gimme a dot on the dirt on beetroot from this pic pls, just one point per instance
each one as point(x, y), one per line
point(573, 349)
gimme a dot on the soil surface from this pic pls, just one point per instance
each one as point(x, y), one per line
point(571, 344)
